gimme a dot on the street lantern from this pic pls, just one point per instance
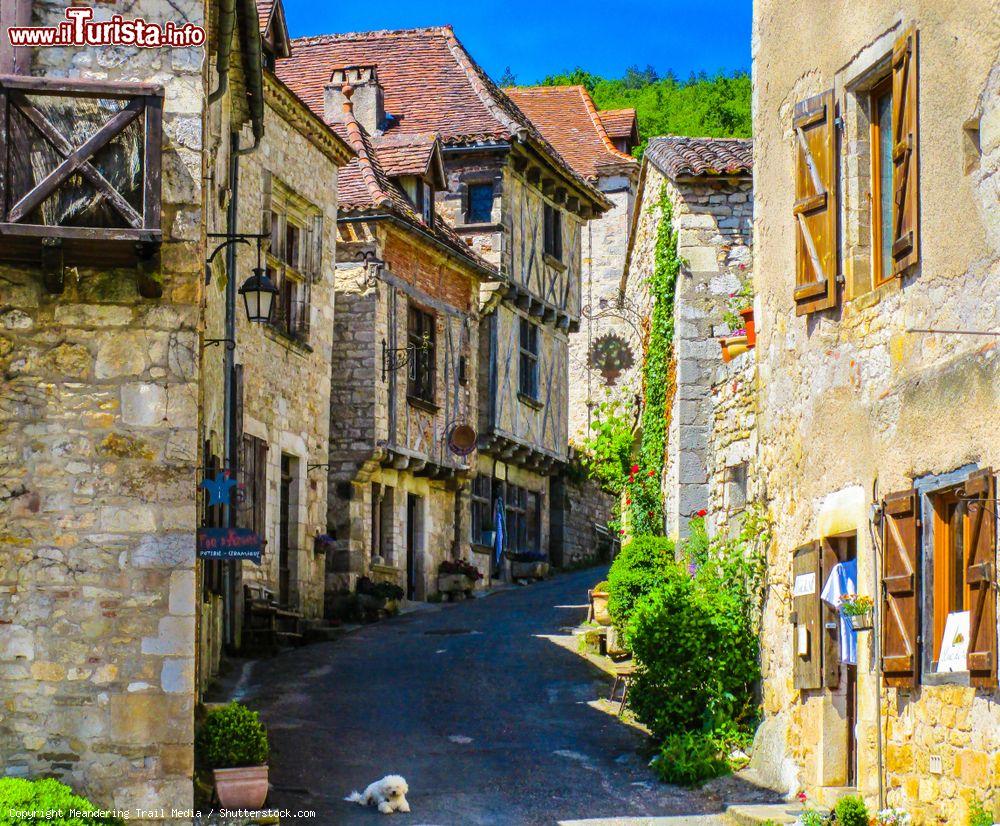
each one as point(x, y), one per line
point(258, 293)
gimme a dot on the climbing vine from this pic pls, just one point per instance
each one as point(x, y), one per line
point(643, 494)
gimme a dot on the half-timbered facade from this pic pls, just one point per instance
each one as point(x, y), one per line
point(877, 271)
point(512, 199)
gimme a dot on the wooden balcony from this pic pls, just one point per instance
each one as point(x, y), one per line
point(79, 171)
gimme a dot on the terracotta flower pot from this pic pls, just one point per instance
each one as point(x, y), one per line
point(749, 326)
point(733, 346)
point(242, 788)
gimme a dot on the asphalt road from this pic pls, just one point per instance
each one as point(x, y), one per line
point(488, 720)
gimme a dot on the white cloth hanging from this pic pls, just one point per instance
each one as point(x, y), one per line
point(843, 580)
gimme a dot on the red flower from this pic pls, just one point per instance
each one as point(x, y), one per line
point(652, 473)
point(702, 512)
point(635, 469)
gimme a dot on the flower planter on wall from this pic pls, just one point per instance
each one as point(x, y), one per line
point(733, 346)
point(600, 600)
point(750, 326)
point(454, 584)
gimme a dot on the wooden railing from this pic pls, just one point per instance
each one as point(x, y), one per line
point(79, 165)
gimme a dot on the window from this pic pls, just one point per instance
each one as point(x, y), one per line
point(482, 509)
point(553, 232)
point(951, 592)
point(252, 510)
point(383, 498)
point(881, 181)
point(479, 203)
point(293, 258)
point(528, 377)
point(425, 201)
point(533, 521)
point(421, 338)
point(523, 520)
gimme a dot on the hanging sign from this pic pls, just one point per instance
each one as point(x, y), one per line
point(219, 489)
point(954, 644)
point(229, 543)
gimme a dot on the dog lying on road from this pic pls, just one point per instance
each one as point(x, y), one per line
point(389, 794)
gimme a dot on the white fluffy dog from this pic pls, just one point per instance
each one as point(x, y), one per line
point(389, 794)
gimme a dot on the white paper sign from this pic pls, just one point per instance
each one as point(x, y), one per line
point(954, 644)
point(803, 641)
point(805, 584)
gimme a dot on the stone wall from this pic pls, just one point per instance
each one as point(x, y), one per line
point(853, 406)
point(99, 425)
point(580, 533)
point(604, 242)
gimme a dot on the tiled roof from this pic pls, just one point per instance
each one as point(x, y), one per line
point(264, 9)
point(567, 117)
point(364, 185)
point(430, 83)
point(406, 153)
point(619, 123)
point(676, 156)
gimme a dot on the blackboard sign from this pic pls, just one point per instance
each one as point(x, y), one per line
point(229, 543)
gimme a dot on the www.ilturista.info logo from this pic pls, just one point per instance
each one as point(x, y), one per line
point(79, 29)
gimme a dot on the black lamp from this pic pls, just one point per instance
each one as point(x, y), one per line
point(258, 293)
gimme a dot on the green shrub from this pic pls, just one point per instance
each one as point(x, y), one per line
point(638, 569)
point(232, 737)
point(979, 815)
point(689, 758)
point(697, 657)
point(601, 587)
point(43, 797)
point(851, 811)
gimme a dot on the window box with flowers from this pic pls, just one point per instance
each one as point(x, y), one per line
point(456, 576)
point(858, 610)
point(739, 318)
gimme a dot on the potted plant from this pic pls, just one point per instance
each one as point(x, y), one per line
point(232, 742)
point(738, 317)
point(528, 565)
point(599, 600)
point(858, 610)
point(456, 576)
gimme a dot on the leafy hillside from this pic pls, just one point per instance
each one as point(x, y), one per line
point(717, 107)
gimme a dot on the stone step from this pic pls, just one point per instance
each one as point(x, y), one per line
point(755, 814)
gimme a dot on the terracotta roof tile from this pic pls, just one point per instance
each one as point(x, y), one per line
point(619, 123)
point(406, 153)
point(567, 117)
point(677, 156)
point(430, 83)
point(364, 185)
point(264, 9)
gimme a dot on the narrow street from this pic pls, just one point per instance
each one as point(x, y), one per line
point(489, 720)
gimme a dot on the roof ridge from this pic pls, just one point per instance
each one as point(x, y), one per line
point(596, 120)
point(370, 35)
point(366, 163)
point(698, 138)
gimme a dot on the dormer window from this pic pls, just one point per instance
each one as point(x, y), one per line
point(425, 201)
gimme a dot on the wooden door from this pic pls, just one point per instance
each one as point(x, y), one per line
point(412, 506)
point(284, 531)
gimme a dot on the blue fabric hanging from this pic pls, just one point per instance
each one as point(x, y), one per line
point(500, 531)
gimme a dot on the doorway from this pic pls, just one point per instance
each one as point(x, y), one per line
point(846, 550)
point(287, 527)
point(414, 528)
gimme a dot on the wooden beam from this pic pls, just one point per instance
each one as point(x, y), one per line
point(559, 196)
point(573, 203)
point(519, 162)
point(534, 175)
point(152, 154)
point(80, 88)
point(83, 153)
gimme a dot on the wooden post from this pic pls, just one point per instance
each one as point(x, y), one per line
point(13, 13)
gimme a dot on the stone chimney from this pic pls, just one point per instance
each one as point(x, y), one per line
point(364, 95)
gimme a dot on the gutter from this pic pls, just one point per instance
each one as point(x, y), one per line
point(253, 69)
point(227, 20)
point(437, 242)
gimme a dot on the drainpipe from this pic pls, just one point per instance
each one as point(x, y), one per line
point(227, 20)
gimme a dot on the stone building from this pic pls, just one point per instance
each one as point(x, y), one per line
point(100, 291)
point(282, 185)
point(407, 335)
point(567, 117)
point(519, 205)
point(876, 156)
point(706, 183)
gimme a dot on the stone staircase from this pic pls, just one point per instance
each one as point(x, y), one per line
point(755, 814)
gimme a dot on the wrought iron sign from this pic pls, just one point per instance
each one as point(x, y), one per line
point(396, 358)
point(609, 356)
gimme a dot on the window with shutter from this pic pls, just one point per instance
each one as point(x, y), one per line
point(815, 207)
point(900, 618)
point(905, 168)
point(981, 578)
point(807, 625)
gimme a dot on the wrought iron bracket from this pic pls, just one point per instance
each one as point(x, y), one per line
point(233, 238)
point(215, 342)
point(396, 358)
point(311, 468)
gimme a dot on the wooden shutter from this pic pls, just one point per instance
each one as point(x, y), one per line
point(807, 646)
point(830, 617)
point(905, 174)
point(316, 266)
point(980, 576)
point(260, 488)
point(900, 616)
point(815, 208)
point(236, 426)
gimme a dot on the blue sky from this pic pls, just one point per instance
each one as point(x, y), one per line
point(540, 37)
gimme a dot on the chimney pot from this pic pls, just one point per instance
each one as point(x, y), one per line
point(355, 89)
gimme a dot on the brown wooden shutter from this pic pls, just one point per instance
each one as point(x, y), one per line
point(260, 489)
point(981, 577)
point(807, 608)
point(830, 618)
point(905, 174)
point(815, 206)
point(900, 616)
